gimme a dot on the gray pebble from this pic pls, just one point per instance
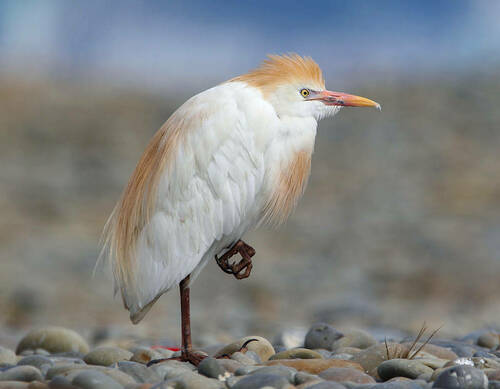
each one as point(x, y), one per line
point(298, 353)
point(254, 381)
point(402, 368)
point(105, 356)
point(488, 340)
point(7, 356)
point(242, 358)
point(60, 382)
point(254, 356)
point(459, 348)
point(327, 385)
point(462, 377)
point(94, 379)
point(230, 365)
point(139, 372)
point(303, 377)
point(191, 380)
point(210, 367)
point(282, 371)
point(321, 335)
point(54, 340)
point(494, 385)
point(398, 384)
point(37, 361)
point(171, 369)
point(244, 370)
point(21, 373)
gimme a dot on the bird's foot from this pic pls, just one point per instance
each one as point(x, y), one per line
point(239, 269)
point(192, 357)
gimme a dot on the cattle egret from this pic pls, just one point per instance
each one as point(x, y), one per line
point(229, 159)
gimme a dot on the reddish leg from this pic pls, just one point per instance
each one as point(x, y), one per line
point(187, 353)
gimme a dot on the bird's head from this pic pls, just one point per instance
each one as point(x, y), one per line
point(294, 85)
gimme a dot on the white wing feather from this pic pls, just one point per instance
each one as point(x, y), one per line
point(205, 198)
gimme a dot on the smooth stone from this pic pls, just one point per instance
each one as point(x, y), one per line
point(304, 378)
point(170, 369)
point(314, 366)
point(242, 358)
point(321, 335)
point(254, 356)
point(60, 382)
point(283, 371)
point(38, 361)
point(191, 380)
point(254, 381)
point(327, 385)
point(69, 355)
point(105, 356)
point(400, 384)
point(297, 353)
point(244, 370)
point(21, 373)
point(7, 356)
point(484, 354)
point(94, 379)
point(261, 347)
point(433, 349)
point(345, 357)
point(488, 340)
point(458, 348)
point(230, 365)
point(493, 375)
point(13, 385)
point(343, 374)
point(373, 356)
point(402, 368)
point(145, 355)
point(348, 350)
point(210, 367)
point(54, 340)
point(138, 372)
point(462, 377)
point(71, 371)
point(354, 338)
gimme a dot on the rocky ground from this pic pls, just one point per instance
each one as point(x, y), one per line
point(320, 357)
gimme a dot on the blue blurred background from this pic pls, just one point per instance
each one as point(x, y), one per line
point(401, 220)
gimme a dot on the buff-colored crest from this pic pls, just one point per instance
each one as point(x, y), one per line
point(281, 69)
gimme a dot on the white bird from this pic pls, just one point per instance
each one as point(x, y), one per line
point(229, 159)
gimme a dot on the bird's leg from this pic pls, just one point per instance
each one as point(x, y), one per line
point(187, 353)
point(236, 269)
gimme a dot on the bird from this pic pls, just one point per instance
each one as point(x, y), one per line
point(228, 160)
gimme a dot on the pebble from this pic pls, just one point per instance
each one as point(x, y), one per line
point(402, 368)
point(327, 385)
point(433, 349)
point(230, 365)
point(13, 385)
point(242, 358)
point(488, 340)
point(145, 355)
point(261, 381)
point(7, 356)
point(39, 361)
point(283, 371)
point(170, 369)
point(304, 378)
point(462, 377)
point(54, 340)
point(21, 373)
point(322, 335)
point(401, 384)
point(297, 353)
point(290, 338)
point(138, 371)
point(210, 367)
point(191, 380)
point(260, 346)
point(94, 379)
point(343, 374)
point(315, 366)
point(354, 338)
point(105, 356)
point(373, 356)
point(60, 382)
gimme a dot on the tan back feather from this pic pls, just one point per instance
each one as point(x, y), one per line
point(281, 69)
point(137, 203)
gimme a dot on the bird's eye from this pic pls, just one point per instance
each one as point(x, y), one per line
point(304, 92)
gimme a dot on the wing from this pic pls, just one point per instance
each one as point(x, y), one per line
point(196, 182)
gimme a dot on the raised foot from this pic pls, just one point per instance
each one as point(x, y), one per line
point(187, 356)
point(239, 269)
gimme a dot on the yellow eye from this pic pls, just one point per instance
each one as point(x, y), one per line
point(304, 92)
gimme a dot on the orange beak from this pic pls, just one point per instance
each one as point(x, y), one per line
point(345, 100)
